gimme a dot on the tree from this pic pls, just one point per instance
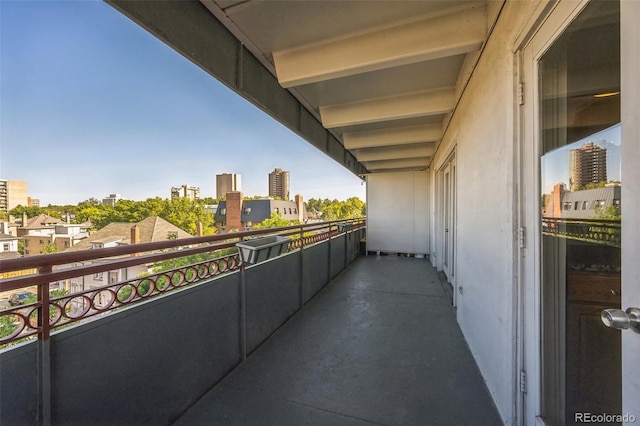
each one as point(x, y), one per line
point(351, 208)
point(608, 213)
point(49, 249)
point(30, 211)
point(275, 221)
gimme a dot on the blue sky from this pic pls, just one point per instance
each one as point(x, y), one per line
point(91, 104)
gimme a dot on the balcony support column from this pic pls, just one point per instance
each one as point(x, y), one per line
point(243, 310)
point(301, 267)
point(44, 353)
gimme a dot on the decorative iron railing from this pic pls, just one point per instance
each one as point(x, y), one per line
point(595, 231)
point(28, 320)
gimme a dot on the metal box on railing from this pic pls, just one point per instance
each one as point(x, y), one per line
point(261, 249)
point(344, 227)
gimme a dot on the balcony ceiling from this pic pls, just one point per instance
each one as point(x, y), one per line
point(382, 76)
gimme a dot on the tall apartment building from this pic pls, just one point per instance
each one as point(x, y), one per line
point(227, 182)
point(190, 192)
point(587, 164)
point(279, 184)
point(112, 199)
point(13, 193)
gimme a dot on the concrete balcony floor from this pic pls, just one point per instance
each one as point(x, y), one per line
point(378, 346)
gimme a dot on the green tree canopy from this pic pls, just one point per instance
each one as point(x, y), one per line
point(334, 210)
point(275, 221)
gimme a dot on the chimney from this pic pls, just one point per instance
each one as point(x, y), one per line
point(558, 189)
point(300, 207)
point(135, 234)
point(4, 229)
point(234, 211)
point(24, 219)
point(67, 218)
point(135, 237)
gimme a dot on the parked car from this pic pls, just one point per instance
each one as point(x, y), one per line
point(21, 298)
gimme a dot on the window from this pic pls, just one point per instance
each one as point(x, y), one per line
point(584, 205)
point(575, 206)
point(289, 210)
point(66, 244)
point(6, 247)
point(616, 202)
point(41, 242)
point(98, 276)
point(600, 204)
point(277, 210)
point(26, 243)
point(566, 205)
point(113, 277)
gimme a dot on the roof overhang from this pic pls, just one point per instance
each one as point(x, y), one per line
point(370, 84)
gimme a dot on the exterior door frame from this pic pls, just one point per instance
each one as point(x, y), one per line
point(554, 18)
point(549, 24)
point(446, 220)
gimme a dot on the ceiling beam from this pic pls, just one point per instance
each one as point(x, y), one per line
point(421, 39)
point(393, 136)
point(418, 104)
point(424, 149)
point(398, 164)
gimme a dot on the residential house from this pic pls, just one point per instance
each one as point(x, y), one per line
point(44, 230)
point(239, 214)
point(151, 229)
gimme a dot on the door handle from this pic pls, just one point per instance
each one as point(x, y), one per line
point(621, 320)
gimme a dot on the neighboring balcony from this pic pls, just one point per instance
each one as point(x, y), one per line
point(371, 343)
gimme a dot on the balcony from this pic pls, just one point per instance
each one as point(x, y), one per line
point(320, 335)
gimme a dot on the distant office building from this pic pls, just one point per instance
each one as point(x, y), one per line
point(33, 202)
point(588, 164)
point(227, 182)
point(13, 193)
point(112, 199)
point(279, 184)
point(185, 191)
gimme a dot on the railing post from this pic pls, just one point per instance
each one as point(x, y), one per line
point(329, 256)
point(44, 352)
point(301, 266)
point(243, 309)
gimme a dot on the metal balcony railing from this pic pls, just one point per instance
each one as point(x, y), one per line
point(47, 313)
point(594, 231)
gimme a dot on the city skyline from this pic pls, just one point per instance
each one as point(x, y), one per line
point(94, 105)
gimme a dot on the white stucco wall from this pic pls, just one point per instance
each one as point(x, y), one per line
point(398, 212)
point(483, 131)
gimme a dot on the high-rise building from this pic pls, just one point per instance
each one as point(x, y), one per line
point(587, 164)
point(112, 199)
point(13, 193)
point(279, 184)
point(227, 182)
point(190, 192)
